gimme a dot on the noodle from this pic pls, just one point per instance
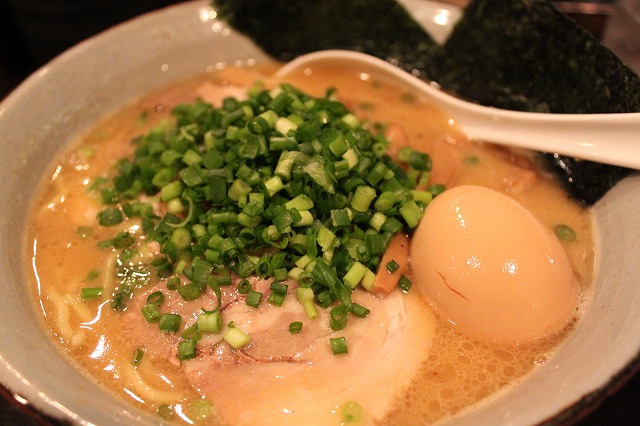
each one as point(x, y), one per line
point(62, 320)
point(109, 273)
point(85, 314)
point(145, 390)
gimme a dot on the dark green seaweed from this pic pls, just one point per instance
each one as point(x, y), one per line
point(518, 54)
point(526, 55)
point(286, 29)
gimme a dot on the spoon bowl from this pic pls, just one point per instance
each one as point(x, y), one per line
point(605, 138)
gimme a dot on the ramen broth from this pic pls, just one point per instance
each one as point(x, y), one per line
point(456, 371)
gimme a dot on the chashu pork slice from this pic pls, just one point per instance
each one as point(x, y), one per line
point(281, 378)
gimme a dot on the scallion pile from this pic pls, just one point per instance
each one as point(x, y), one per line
point(281, 185)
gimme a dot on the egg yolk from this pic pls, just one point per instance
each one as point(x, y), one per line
point(491, 267)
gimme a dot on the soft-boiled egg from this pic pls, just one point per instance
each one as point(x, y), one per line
point(490, 266)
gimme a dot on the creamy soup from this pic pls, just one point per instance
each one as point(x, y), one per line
point(408, 361)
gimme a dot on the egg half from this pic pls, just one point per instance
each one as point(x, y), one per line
point(490, 266)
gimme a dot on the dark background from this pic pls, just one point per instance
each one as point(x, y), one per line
point(32, 32)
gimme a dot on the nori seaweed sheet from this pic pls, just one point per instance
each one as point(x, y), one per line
point(518, 54)
point(526, 55)
point(286, 29)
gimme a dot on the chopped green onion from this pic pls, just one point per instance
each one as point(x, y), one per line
point(301, 202)
point(209, 322)
point(181, 238)
point(351, 413)
point(91, 292)
point(565, 232)
point(165, 410)
point(305, 297)
point(273, 185)
point(199, 410)
point(326, 238)
point(276, 287)
point(191, 333)
point(190, 291)
point(258, 125)
point(223, 279)
point(170, 191)
point(411, 213)
point(340, 218)
point(238, 189)
point(169, 157)
point(138, 354)
point(303, 261)
point(280, 274)
point(186, 349)
point(276, 299)
point(236, 337)
point(324, 299)
point(110, 217)
point(285, 165)
point(351, 120)
point(351, 157)
point(191, 176)
point(368, 280)
point(417, 160)
point(472, 160)
point(375, 243)
point(244, 286)
point(338, 345)
point(201, 271)
point(170, 322)
point(326, 276)
point(173, 283)
point(338, 317)
point(385, 201)
point(423, 197)
point(338, 144)
point(282, 143)
point(254, 298)
point(359, 310)
point(271, 117)
point(284, 125)
point(377, 173)
point(305, 279)
point(436, 189)
point(377, 220)
point(404, 283)
point(155, 298)
point(163, 177)
point(281, 186)
point(151, 312)
point(246, 267)
point(392, 266)
point(84, 231)
point(362, 198)
point(355, 274)
point(295, 327)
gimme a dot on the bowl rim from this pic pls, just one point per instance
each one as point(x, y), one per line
point(572, 413)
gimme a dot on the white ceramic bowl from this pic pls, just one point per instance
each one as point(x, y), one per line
point(52, 106)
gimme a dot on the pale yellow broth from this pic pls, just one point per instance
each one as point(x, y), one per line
point(457, 373)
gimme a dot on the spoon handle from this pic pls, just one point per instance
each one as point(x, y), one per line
point(605, 138)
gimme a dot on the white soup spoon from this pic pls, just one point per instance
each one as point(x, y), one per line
point(606, 138)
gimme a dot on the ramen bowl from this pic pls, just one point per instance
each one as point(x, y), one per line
point(96, 77)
